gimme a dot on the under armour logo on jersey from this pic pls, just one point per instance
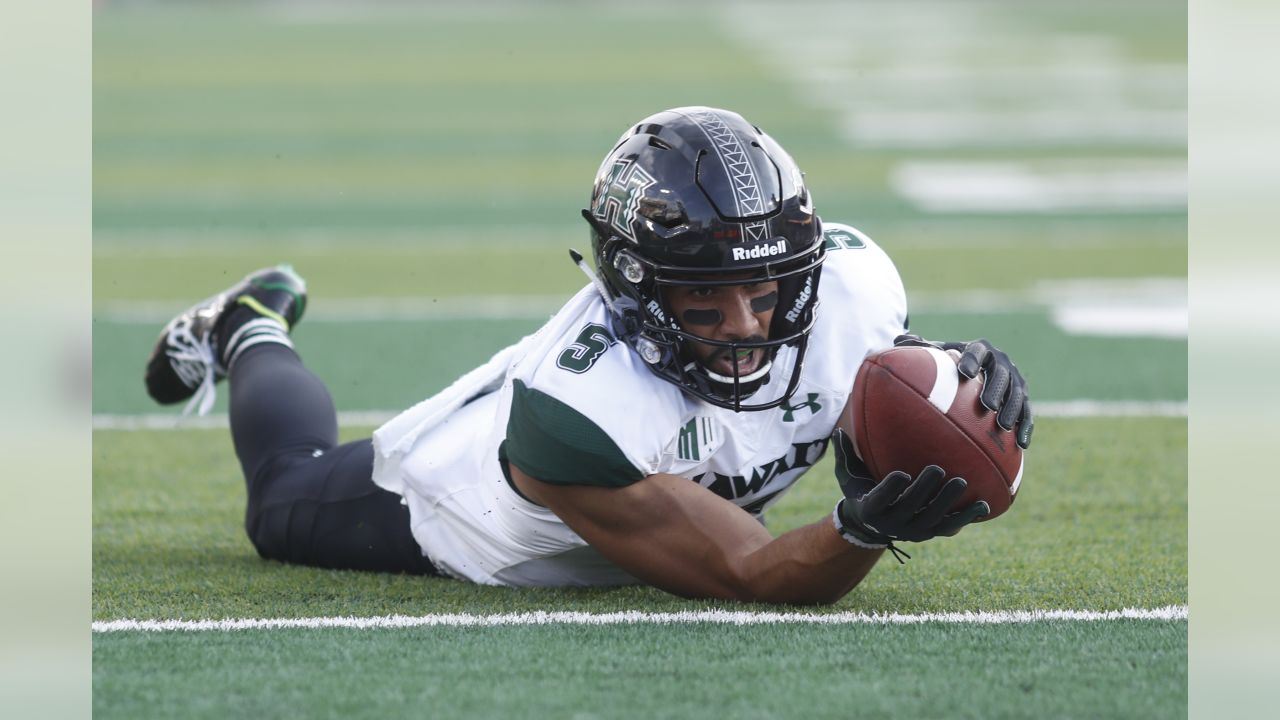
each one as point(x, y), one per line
point(616, 203)
point(811, 403)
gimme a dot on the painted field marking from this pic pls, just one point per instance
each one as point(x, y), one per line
point(1097, 307)
point(368, 418)
point(183, 242)
point(217, 421)
point(365, 309)
point(1150, 307)
point(299, 244)
point(492, 308)
point(635, 617)
point(1170, 323)
point(1110, 409)
point(1094, 185)
point(924, 76)
point(929, 129)
point(1112, 294)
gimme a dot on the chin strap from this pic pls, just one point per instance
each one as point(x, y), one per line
point(759, 373)
point(649, 351)
point(595, 279)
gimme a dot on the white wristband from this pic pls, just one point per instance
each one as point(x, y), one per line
point(850, 537)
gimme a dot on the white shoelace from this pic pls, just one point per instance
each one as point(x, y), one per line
point(193, 360)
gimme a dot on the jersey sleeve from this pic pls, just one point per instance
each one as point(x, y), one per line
point(861, 287)
point(863, 308)
point(552, 442)
point(583, 409)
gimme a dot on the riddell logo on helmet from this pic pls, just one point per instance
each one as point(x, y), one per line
point(806, 292)
point(656, 309)
point(760, 251)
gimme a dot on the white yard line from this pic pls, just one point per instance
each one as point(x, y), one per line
point(1096, 185)
point(366, 309)
point(1101, 292)
point(302, 242)
point(1170, 323)
point(1110, 408)
point(215, 421)
point(1116, 319)
point(299, 244)
point(635, 617)
point(921, 76)
point(934, 129)
point(369, 418)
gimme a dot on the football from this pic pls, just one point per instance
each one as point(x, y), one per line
point(910, 408)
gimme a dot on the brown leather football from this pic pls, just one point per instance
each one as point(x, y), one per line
point(910, 408)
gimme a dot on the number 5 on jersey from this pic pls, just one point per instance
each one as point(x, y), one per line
point(589, 346)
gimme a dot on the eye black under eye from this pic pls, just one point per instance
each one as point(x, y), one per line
point(765, 302)
point(701, 317)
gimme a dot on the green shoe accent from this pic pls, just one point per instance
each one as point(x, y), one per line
point(299, 300)
point(263, 310)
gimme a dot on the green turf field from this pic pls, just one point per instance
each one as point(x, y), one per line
point(775, 671)
point(424, 170)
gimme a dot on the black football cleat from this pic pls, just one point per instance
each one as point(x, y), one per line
point(198, 347)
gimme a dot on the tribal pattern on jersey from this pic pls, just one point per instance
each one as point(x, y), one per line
point(696, 436)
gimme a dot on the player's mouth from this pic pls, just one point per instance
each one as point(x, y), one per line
point(748, 362)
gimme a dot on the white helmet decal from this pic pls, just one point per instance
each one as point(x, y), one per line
point(616, 203)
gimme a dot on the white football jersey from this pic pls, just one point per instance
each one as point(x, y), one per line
point(571, 404)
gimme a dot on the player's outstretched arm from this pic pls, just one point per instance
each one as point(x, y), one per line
point(680, 537)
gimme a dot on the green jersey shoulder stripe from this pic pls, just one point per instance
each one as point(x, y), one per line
point(554, 443)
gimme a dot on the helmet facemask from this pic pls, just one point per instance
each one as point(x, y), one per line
point(644, 318)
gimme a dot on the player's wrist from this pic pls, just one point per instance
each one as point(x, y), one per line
point(854, 533)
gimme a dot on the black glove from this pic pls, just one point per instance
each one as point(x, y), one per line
point(899, 508)
point(1005, 389)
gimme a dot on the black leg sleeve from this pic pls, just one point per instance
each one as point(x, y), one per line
point(277, 407)
point(310, 501)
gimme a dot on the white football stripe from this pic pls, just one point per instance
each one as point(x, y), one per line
point(635, 617)
point(1013, 489)
point(946, 382)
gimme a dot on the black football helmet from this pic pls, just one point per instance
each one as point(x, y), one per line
point(699, 196)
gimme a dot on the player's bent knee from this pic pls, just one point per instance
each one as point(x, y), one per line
point(268, 531)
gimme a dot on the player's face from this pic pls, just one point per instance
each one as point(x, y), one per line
point(726, 312)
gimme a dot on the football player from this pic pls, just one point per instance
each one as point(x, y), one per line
point(641, 433)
